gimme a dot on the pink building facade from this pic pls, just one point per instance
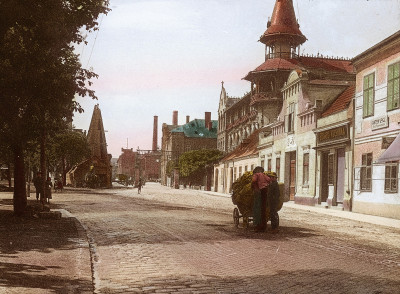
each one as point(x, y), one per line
point(377, 130)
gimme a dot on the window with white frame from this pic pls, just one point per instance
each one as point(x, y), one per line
point(368, 95)
point(393, 86)
point(366, 172)
point(306, 168)
point(278, 167)
point(391, 177)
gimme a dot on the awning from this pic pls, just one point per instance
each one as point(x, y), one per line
point(392, 153)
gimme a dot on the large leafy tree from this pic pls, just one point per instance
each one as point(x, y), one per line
point(67, 149)
point(194, 164)
point(39, 72)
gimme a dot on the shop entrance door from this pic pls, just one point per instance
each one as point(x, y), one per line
point(324, 177)
point(292, 187)
point(340, 175)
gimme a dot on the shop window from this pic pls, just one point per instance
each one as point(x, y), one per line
point(240, 171)
point(262, 163)
point(368, 95)
point(391, 177)
point(366, 172)
point(393, 86)
point(331, 169)
point(269, 164)
point(278, 167)
point(252, 167)
point(306, 168)
point(245, 168)
point(234, 174)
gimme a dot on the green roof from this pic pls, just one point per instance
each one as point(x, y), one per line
point(197, 129)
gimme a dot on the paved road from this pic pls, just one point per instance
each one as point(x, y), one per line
point(184, 241)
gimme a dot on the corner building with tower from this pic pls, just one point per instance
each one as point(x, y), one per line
point(299, 110)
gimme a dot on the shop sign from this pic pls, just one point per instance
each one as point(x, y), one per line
point(380, 122)
point(333, 134)
point(386, 141)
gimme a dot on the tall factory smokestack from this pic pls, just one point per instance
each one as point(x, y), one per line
point(207, 118)
point(175, 118)
point(155, 126)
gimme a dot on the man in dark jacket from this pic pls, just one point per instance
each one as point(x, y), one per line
point(38, 183)
point(273, 199)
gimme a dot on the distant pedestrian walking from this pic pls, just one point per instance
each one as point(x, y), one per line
point(139, 186)
point(38, 183)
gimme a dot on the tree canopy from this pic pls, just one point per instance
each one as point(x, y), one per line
point(195, 162)
point(40, 73)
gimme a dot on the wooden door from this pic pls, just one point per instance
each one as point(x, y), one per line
point(340, 175)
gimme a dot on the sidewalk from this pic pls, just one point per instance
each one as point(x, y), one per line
point(377, 220)
point(42, 255)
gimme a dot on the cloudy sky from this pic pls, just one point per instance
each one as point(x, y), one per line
point(157, 56)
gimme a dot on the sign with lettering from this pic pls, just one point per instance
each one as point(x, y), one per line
point(333, 134)
point(380, 122)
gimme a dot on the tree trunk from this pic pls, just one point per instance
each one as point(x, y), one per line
point(64, 172)
point(19, 181)
point(43, 163)
point(9, 175)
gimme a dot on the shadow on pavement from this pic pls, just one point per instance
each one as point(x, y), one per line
point(32, 276)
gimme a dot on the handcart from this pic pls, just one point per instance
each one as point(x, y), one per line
point(242, 197)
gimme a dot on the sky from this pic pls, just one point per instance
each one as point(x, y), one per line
point(154, 57)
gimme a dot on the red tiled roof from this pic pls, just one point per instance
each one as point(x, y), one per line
point(245, 149)
point(277, 63)
point(329, 64)
point(305, 62)
point(341, 102)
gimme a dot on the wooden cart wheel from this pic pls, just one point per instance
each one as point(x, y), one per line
point(236, 217)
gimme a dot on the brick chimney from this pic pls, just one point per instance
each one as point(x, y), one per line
point(155, 128)
point(175, 118)
point(187, 118)
point(207, 120)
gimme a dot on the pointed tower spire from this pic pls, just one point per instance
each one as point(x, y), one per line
point(283, 34)
point(96, 135)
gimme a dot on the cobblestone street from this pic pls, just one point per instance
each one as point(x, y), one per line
point(184, 241)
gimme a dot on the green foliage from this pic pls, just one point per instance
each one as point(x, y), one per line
point(70, 146)
point(195, 162)
point(40, 73)
point(242, 195)
point(171, 165)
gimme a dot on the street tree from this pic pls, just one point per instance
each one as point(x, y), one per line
point(67, 149)
point(193, 165)
point(40, 74)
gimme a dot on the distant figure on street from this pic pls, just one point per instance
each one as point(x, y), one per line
point(273, 199)
point(58, 185)
point(38, 183)
point(139, 186)
point(259, 185)
point(49, 185)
